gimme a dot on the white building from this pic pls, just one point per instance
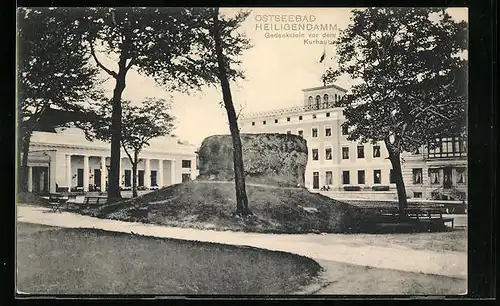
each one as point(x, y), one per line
point(65, 159)
point(344, 165)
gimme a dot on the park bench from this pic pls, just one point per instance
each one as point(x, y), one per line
point(90, 201)
point(56, 200)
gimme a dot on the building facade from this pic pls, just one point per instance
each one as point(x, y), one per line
point(65, 160)
point(343, 166)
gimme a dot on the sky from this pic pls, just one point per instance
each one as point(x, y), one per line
point(276, 70)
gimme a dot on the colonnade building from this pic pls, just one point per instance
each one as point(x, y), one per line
point(343, 166)
point(65, 160)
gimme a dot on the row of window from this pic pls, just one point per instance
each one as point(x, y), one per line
point(314, 132)
point(435, 176)
point(325, 98)
point(346, 177)
point(288, 119)
point(449, 147)
point(345, 153)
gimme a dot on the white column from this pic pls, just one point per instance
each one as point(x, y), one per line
point(160, 173)
point(103, 173)
point(86, 173)
point(193, 168)
point(69, 176)
point(147, 173)
point(172, 172)
point(30, 179)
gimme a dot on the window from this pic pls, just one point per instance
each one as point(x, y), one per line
point(314, 116)
point(328, 153)
point(345, 177)
point(328, 131)
point(314, 132)
point(186, 163)
point(417, 194)
point(417, 175)
point(335, 97)
point(288, 132)
point(377, 178)
point(345, 129)
point(310, 100)
point(275, 120)
point(315, 155)
point(392, 176)
point(153, 178)
point(329, 178)
point(361, 152)
point(327, 114)
point(315, 180)
point(253, 123)
point(345, 153)
point(325, 98)
point(361, 177)
point(288, 119)
point(318, 101)
point(186, 177)
point(128, 176)
point(300, 133)
point(461, 175)
point(300, 117)
point(376, 151)
point(264, 122)
point(434, 175)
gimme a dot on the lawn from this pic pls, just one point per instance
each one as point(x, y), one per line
point(361, 280)
point(87, 261)
point(450, 241)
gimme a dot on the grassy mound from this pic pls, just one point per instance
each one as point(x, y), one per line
point(212, 205)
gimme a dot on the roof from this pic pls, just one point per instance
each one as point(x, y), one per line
point(324, 87)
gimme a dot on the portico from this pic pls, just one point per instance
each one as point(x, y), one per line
point(67, 161)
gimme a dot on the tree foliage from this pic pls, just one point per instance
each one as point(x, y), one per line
point(412, 79)
point(140, 124)
point(52, 70)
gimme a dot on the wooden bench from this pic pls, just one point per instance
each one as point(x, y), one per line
point(90, 201)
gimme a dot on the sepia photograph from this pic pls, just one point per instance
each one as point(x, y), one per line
point(241, 151)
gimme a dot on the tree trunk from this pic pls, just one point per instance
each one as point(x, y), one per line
point(239, 172)
point(24, 148)
point(395, 158)
point(114, 193)
point(134, 175)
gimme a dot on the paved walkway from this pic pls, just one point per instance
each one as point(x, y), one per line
point(333, 247)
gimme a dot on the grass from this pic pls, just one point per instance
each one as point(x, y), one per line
point(86, 261)
point(360, 280)
point(212, 205)
point(450, 241)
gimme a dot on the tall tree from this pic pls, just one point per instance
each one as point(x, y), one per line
point(140, 123)
point(220, 44)
point(157, 42)
point(413, 79)
point(53, 72)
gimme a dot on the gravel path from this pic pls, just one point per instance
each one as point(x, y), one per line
point(331, 247)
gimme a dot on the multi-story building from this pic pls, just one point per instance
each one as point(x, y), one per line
point(66, 160)
point(341, 165)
